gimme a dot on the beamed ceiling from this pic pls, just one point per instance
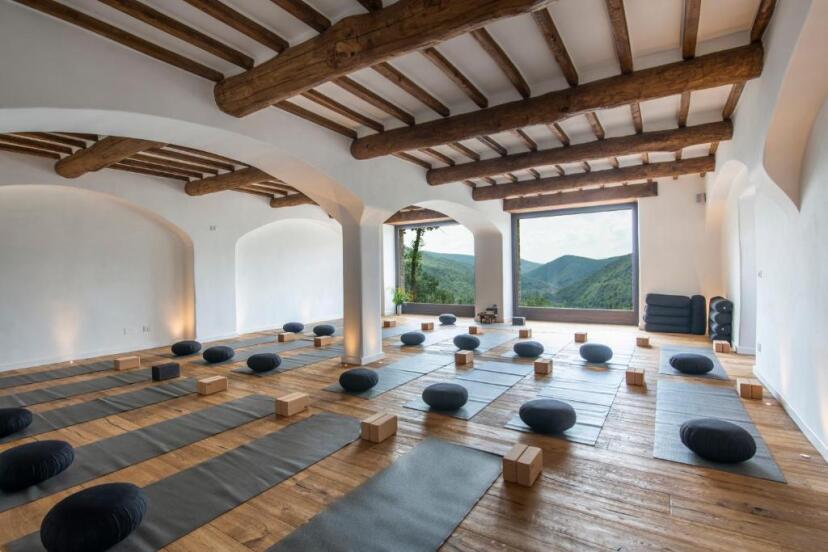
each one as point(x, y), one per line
point(540, 103)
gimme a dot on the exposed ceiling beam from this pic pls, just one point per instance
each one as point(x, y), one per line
point(613, 194)
point(502, 60)
point(356, 43)
point(413, 159)
point(308, 115)
point(371, 5)
point(341, 109)
point(453, 73)
point(305, 13)
point(103, 153)
point(396, 76)
point(690, 28)
point(732, 100)
point(556, 45)
point(243, 24)
point(620, 34)
point(291, 200)
point(416, 215)
point(762, 19)
point(684, 109)
point(374, 99)
point(708, 71)
point(596, 178)
point(638, 123)
point(226, 181)
point(28, 151)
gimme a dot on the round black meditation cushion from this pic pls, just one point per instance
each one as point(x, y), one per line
point(13, 420)
point(29, 464)
point(412, 338)
point(717, 440)
point(323, 329)
point(528, 349)
point(293, 327)
point(466, 342)
point(358, 379)
point(547, 415)
point(219, 353)
point(595, 352)
point(447, 319)
point(94, 519)
point(691, 363)
point(264, 362)
point(445, 396)
point(184, 348)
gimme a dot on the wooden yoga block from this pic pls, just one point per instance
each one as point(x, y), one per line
point(127, 363)
point(379, 427)
point(642, 341)
point(525, 333)
point(322, 340)
point(721, 347)
point(288, 336)
point(522, 465)
point(292, 403)
point(213, 384)
point(475, 330)
point(635, 376)
point(750, 388)
point(168, 370)
point(580, 337)
point(389, 323)
point(464, 357)
point(543, 367)
point(426, 326)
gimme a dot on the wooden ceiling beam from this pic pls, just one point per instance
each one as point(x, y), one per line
point(103, 153)
point(371, 5)
point(36, 144)
point(149, 157)
point(732, 100)
point(690, 28)
point(638, 123)
point(308, 15)
point(243, 24)
point(226, 181)
point(131, 162)
point(502, 60)
point(559, 133)
point(456, 76)
point(413, 159)
point(374, 99)
point(170, 153)
point(396, 76)
point(708, 71)
point(493, 144)
point(343, 110)
point(530, 144)
point(608, 195)
point(556, 45)
point(291, 200)
point(620, 35)
point(684, 109)
point(315, 118)
point(595, 123)
point(463, 150)
point(173, 27)
point(659, 141)
point(596, 178)
point(439, 156)
point(762, 19)
point(4, 146)
point(52, 137)
point(417, 215)
point(358, 42)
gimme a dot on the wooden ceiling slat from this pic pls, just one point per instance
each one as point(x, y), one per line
point(203, 154)
point(595, 124)
point(414, 216)
point(56, 138)
point(147, 172)
point(299, 111)
point(568, 199)
point(329, 103)
point(80, 135)
point(371, 5)
point(28, 151)
point(530, 144)
point(291, 200)
point(684, 109)
point(690, 28)
point(762, 19)
point(80, 19)
point(252, 191)
point(499, 56)
point(456, 76)
point(638, 123)
point(243, 24)
point(147, 157)
point(226, 181)
point(732, 100)
point(305, 13)
point(620, 34)
point(101, 154)
point(559, 133)
point(463, 150)
point(439, 156)
point(170, 153)
point(585, 165)
point(395, 76)
point(130, 162)
point(493, 144)
point(556, 45)
point(173, 27)
point(35, 144)
point(374, 99)
point(413, 159)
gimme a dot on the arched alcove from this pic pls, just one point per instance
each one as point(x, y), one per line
point(84, 273)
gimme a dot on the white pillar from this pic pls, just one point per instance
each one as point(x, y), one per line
point(493, 272)
point(363, 288)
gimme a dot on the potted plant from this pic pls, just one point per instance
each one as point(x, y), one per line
point(400, 297)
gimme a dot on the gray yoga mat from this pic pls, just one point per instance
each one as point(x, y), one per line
point(399, 330)
point(236, 343)
point(571, 355)
point(189, 499)
point(485, 382)
point(55, 374)
point(552, 344)
point(115, 453)
point(413, 505)
point(438, 334)
point(678, 402)
point(591, 393)
point(67, 390)
point(488, 341)
point(668, 351)
point(297, 361)
point(242, 356)
point(58, 418)
point(398, 373)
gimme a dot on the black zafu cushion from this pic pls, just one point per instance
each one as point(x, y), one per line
point(721, 329)
point(528, 349)
point(323, 329)
point(13, 420)
point(447, 319)
point(445, 396)
point(717, 440)
point(691, 363)
point(667, 300)
point(720, 304)
point(698, 315)
point(32, 463)
point(219, 353)
point(168, 370)
point(293, 327)
point(264, 362)
point(595, 352)
point(466, 342)
point(183, 348)
point(358, 379)
point(94, 519)
point(548, 415)
point(721, 318)
point(412, 338)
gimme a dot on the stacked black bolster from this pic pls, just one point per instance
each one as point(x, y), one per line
point(675, 314)
point(721, 319)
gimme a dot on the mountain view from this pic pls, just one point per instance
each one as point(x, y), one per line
point(569, 281)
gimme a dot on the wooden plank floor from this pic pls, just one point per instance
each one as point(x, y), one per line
point(614, 496)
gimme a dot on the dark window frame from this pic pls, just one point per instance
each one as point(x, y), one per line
point(588, 316)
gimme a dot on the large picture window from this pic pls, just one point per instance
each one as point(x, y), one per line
point(577, 264)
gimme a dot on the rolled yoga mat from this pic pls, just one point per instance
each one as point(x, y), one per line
point(55, 374)
point(109, 455)
point(67, 390)
point(189, 499)
point(398, 373)
point(413, 505)
point(678, 402)
point(297, 361)
point(58, 418)
point(668, 351)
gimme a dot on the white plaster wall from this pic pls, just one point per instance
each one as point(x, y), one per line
point(286, 271)
point(389, 268)
point(83, 274)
